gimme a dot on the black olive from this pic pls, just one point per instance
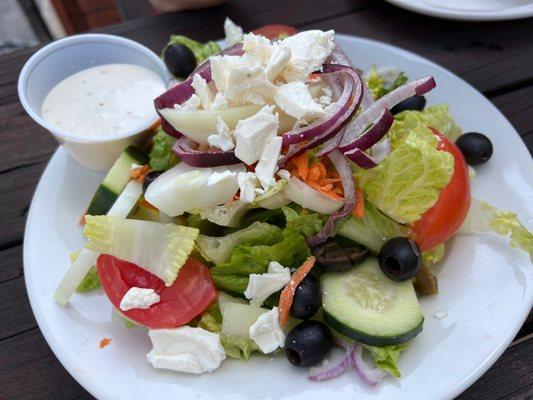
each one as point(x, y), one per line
point(400, 258)
point(412, 103)
point(308, 343)
point(180, 60)
point(149, 178)
point(307, 298)
point(476, 147)
point(332, 257)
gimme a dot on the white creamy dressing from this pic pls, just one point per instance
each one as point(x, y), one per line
point(103, 100)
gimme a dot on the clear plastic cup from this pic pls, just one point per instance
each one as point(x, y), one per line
point(64, 57)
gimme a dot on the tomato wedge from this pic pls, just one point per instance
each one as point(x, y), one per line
point(442, 220)
point(191, 293)
point(273, 32)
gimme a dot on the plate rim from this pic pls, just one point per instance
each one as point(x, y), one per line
point(514, 13)
point(98, 392)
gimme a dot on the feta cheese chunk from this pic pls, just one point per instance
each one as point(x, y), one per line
point(186, 349)
point(279, 58)
point(219, 103)
point(139, 298)
point(266, 332)
point(295, 99)
point(203, 91)
point(309, 51)
point(260, 286)
point(193, 103)
point(268, 163)
point(247, 182)
point(232, 31)
point(223, 139)
point(325, 99)
point(257, 46)
point(252, 134)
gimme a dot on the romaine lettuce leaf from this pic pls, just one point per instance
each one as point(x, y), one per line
point(159, 248)
point(201, 51)
point(90, 281)
point(438, 117)
point(379, 86)
point(161, 155)
point(434, 255)
point(482, 217)
point(218, 249)
point(233, 275)
point(211, 319)
point(408, 182)
point(372, 230)
point(386, 358)
point(307, 223)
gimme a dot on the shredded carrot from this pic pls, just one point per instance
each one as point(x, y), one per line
point(313, 77)
point(314, 174)
point(140, 173)
point(82, 220)
point(302, 165)
point(105, 342)
point(287, 294)
point(234, 198)
point(359, 208)
point(322, 168)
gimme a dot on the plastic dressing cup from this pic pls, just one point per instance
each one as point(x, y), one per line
point(63, 58)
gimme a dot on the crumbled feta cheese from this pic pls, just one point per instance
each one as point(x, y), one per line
point(255, 98)
point(232, 31)
point(279, 58)
point(257, 46)
point(219, 103)
point(260, 286)
point(193, 103)
point(223, 139)
point(268, 163)
point(138, 297)
point(266, 332)
point(247, 182)
point(295, 99)
point(309, 51)
point(325, 99)
point(284, 174)
point(186, 349)
point(253, 133)
point(220, 68)
point(203, 91)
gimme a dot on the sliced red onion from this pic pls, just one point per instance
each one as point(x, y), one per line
point(372, 135)
point(330, 371)
point(365, 118)
point(339, 56)
point(343, 168)
point(362, 159)
point(331, 144)
point(370, 375)
point(341, 111)
point(181, 92)
point(195, 158)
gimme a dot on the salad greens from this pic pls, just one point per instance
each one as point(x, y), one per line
point(90, 281)
point(379, 86)
point(161, 155)
point(482, 217)
point(201, 51)
point(160, 248)
point(307, 223)
point(408, 182)
point(434, 255)
point(386, 358)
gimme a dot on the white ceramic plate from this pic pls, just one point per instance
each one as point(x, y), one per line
point(486, 288)
point(470, 10)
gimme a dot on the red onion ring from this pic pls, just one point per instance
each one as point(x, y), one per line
point(335, 369)
point(343, 168)
point(372, 135)
point(362, 159)
point(359, 124)
point(195, 158)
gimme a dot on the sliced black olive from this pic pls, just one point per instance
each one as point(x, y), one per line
point(332, 257)
point(400, 258)
point(412, 103)
point(476, 147)
point(179, 59)
point(149, 178)
point(308, 343)
point(307, 298)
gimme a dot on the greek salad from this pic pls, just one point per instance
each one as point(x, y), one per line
point(287, 203)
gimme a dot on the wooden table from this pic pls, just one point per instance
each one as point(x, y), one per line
point(496, 58)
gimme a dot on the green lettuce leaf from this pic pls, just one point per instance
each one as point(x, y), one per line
point(435, 116)
point(408, 182)
point(201, 51)
point(211, 319)
point(379, 86)
point(161, 155)
point(218, 249)
point(91, 280)
point(482, 217)
point(307, 223)
point(373, 230)
point(233, 275)
point(386, 358)
point(434, 255)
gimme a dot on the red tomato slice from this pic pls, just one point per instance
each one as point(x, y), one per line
point(442, 220)
point(273, 32)
point(191, 293)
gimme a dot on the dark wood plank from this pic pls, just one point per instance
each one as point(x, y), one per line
point(15, 309)
point(10, 264)
point(517, 106)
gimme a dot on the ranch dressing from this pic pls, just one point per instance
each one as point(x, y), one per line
point(103, 100)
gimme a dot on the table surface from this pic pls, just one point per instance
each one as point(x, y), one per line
point(496, 58)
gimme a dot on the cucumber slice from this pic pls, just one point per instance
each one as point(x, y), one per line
point(365, 305)
point(115, 181)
